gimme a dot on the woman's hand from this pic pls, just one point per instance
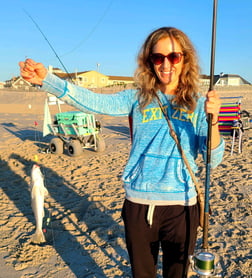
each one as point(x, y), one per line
point(213, 105)
point(33, 72)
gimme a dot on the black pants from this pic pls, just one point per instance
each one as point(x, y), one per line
point(174, 227)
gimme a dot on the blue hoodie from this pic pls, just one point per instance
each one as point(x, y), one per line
point(155, 173)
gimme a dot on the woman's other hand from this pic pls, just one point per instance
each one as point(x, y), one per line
point(33, 72)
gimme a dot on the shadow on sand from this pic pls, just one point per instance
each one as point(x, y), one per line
point(65, 243)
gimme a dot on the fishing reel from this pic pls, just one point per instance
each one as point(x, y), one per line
point(203, 264)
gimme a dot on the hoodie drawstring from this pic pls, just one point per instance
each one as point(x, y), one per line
point(150, 214)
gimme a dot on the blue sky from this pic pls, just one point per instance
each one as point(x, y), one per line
point(111, 32)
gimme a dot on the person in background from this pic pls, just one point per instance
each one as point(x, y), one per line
point(160, 207)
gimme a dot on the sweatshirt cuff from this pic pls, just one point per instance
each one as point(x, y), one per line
point(216, 153)
point(55, 85)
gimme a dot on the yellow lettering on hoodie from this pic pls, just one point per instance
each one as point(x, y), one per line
point(182, 115)
point(145, 119)
point(154, 116)
point(174, 115)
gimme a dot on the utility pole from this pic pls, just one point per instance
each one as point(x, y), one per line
point(97, 83)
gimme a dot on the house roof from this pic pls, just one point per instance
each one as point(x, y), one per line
point(64, 75)
point(17, 79)
point(125, 78)
point(57, 69)
point(204, 76)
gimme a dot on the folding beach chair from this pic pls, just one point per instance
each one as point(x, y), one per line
point(229, 120)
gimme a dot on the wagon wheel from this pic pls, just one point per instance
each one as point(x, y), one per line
point(100, 144)
point(56, 146)
point(74, 148)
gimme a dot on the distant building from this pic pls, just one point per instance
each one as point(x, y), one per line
point(224, 80)
point(55, 70)
point(2, 84)
point(18, 83)
point(93, 79)
point(230, 80)
point(204, 80)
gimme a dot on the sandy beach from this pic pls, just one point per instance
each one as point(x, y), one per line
point(83, 224)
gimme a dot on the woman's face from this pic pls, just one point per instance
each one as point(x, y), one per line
point(168, 72)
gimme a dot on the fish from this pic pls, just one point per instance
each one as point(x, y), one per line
point(38, 193)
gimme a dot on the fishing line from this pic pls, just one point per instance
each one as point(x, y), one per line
point(52, 48)
point(91, 32)
point(79, 44)
point(48, 220)
point(32, 106)
point(57, 56)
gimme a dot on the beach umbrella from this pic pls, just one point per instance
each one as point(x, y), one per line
point(203, 262)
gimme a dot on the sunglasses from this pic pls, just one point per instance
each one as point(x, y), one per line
point(173, 58)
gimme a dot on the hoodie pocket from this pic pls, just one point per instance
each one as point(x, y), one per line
point(158, 174)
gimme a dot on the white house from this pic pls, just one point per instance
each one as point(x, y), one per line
point(224, 80)
point(230, 80)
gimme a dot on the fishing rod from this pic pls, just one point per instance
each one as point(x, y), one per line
point(209, 134)
point(203, 262)
point(48, 220)
point(52, 48)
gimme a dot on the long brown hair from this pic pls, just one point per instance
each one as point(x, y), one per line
point(147, 81)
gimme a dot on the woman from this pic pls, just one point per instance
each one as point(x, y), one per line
point(161, 205)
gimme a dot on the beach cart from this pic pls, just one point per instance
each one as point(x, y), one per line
point(75, 131)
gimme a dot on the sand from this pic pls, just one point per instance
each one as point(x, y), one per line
point(84, 228)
